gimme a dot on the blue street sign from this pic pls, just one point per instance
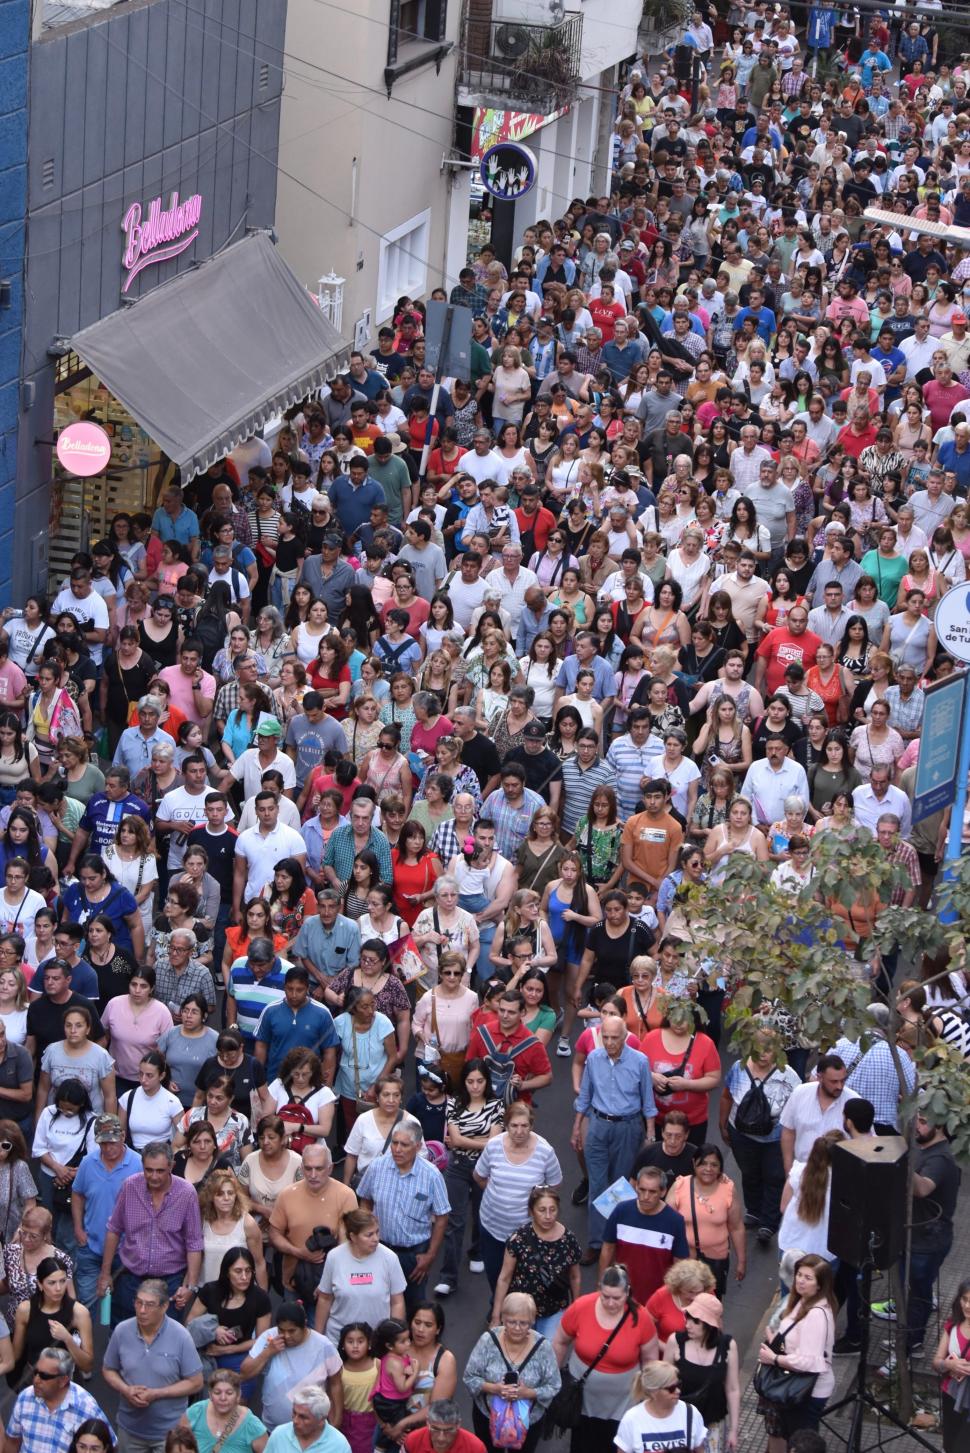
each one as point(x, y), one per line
point(937, 768)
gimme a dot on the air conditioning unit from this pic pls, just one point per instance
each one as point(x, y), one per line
point(511, 41)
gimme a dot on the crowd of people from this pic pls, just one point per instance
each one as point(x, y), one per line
point(390, 757)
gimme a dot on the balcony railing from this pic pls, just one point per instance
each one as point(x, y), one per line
point(517, 66)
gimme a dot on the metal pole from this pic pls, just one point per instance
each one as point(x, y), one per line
point(442, 357)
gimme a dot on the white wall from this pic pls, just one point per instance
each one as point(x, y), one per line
point(355, 167)
point(609, 32)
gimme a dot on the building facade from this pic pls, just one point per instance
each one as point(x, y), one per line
point(153, 130)
point(15, 54)
point(367, 121)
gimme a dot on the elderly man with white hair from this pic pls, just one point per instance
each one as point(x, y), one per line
point(511, 583)
point(310, 1431)
point(408, 1196)
point(136, 743)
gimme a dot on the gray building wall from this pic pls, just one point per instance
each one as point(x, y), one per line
point(142, 100)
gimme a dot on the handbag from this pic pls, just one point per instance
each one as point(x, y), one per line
point(566, 1409)
point(508, 1419)
point(778, 1386)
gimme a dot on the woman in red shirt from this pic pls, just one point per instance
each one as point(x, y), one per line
point(684, 1281)
point(586, 1324)
point(686, 1067)
point(330, 675)
point(415, 871)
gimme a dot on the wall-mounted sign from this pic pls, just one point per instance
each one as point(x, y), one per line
point(508, 170)
point(163, 234)
point(952, 622)
point(490, 127)
point(83, 448)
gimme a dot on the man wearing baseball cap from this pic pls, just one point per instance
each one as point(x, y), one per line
point(543, 769)
point(250, 765)
point(956, 344)
point(99, 1178)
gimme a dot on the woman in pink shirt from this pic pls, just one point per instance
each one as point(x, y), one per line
point(803, 1343)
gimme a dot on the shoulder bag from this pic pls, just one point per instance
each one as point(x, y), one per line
point(776, 1385)
point(566, 1409)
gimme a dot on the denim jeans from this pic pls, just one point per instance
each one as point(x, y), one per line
point(493, 1254)
point(610, 1149)
point(762, 1176)
point(924, 1268)
point(87, 1269)
point(465, 1197)
point(127, 1284)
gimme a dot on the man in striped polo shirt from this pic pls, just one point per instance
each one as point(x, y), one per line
point(255, 982)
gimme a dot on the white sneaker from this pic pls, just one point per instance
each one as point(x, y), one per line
point(443, 1289)
point(477, 1267)
point(564, 1049)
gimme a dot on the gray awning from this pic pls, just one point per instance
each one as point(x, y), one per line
point(205, 360)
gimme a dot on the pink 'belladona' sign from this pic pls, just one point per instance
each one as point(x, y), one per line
point(163, 234)
point(83, 448)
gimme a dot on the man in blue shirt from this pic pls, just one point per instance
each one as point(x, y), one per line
point(871, 62)
point(173, 520)
point(616, 1102)
point(892, 359)
point(621, 355)
point(93, 1194)
point(764, 318)
point(329, 943)
point(586, 659)
point(353, 496)
point(955, 455)
point(99, 823)
point(299, 1022)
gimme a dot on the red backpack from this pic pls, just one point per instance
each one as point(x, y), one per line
point(295, 1113)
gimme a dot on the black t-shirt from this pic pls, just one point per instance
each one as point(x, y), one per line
point(613, 956)
point(672, 1166)
point(541, 768)
point(791, 732)
point(221, 848)
point(256, 1304)
point(933, 1214)
point(248, 1076)
point(481, 755)
point(45, 1021)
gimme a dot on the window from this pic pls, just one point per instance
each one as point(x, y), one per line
point(415, 22)
point(403, 266)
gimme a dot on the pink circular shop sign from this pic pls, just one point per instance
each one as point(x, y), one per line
point(83, 448)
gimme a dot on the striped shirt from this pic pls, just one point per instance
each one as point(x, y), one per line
point(630, 764)
point(578, 786)
point(253, 995)
point(505, 1202)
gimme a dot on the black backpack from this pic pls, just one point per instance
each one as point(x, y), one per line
point(753, 1115)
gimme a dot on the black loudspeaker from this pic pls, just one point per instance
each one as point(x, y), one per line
point(684, 62)
point(867, 1219)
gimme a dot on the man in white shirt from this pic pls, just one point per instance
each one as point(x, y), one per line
point(918, 349)
point(467, 589)
point(813, 1109)
point(931, 507)
point(511, 583)
point(183, 808)
point(224, 570)
point(260, 848)
point(767, 783)
point(483, 460)
point(821, 427)
point(82, 601)
point(746, 462)
point(877, 796)
point(250, 765)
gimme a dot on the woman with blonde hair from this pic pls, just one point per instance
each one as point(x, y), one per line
point(362, 727)
point(227, 1225)
point(659, 1418)
point(682, 1282)
point(523, 927)
point(724, 740)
